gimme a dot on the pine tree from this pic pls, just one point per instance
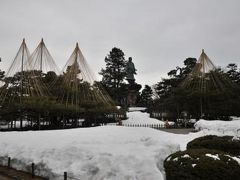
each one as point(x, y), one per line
point(1, 72)
point(146, 99)
point(114, 73)
point(165, 87)
point(233, 73)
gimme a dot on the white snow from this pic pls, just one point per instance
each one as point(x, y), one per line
point(139, 118)
point(7, 125)
point(193, 165)
point(186, 156)
point(107, 152)
point(100, 153)
point(232, 127)
point(236, 138)
point(215, 157)
point(193, 121)
point(175, 159)
point(235, 118)
point(131, 109)
point(234, 158)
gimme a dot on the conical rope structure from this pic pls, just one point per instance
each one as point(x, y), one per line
point(205, 76)
point(42, 60)
point(21, 81)
point(35, 92)
point(80, 88)
point(209, 84)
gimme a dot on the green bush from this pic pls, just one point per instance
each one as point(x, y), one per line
point(224, 143)
point(195, 164)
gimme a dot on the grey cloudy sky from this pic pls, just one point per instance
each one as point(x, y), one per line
point(158, 34)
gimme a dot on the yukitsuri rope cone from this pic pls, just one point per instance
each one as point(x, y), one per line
point(209, 84)
point(24, 94)
point(21, 81)
point(79, 84)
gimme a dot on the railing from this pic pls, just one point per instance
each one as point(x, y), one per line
point(8, 162)
point(116, 116)
point(154, 126)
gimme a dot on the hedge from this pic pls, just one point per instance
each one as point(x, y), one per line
point(201, 164)
point(224, 143)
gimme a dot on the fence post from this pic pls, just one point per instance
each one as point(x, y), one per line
point(9, 162)
point(65, 175)
point(33, 172)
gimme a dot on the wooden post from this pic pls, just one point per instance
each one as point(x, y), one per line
point(11, 124)
point(39, 121)
point(31, 122)
point(21, 121)
point(9, 162)
point(65, 175)
point(33, 173)
point(41, 57)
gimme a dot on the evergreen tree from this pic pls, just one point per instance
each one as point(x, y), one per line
point(165, 87)
point(215, 102)
point(146, 97)
point(233, 73)
point(114, 73)
point(1, 72)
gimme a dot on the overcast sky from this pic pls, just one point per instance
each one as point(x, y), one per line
point(157, 34)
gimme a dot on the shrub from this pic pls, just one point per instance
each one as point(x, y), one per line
point(201, 164)
point(224, 143)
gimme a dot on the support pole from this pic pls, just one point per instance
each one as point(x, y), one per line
point(39, 121)
point(9, 162)
point(201, 107)
point(41, 46)
point(33, 172)
point(22, 82)
point(65, 175)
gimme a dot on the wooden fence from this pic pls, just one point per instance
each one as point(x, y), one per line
point(8, 164)
point(154, 126)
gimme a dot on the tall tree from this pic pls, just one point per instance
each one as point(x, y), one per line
point(233, 72)
point(165, 87)
point(209, 99)
point(146, 97)
point(1, 72)
point(114, 73)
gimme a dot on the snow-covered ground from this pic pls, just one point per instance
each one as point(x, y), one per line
point(99, 153)
point(229, 127)
point(108, 152)
point(137, 117)
point(131, 109)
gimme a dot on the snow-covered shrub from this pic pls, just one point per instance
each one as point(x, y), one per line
point(225, 143)
point(201, 164)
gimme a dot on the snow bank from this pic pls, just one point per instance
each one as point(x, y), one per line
point(234, 118)
point(229, 127)
point(141, 118)
point(108, 152)
point(131, 109)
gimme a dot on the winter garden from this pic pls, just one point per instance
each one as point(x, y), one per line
point(67, 121)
